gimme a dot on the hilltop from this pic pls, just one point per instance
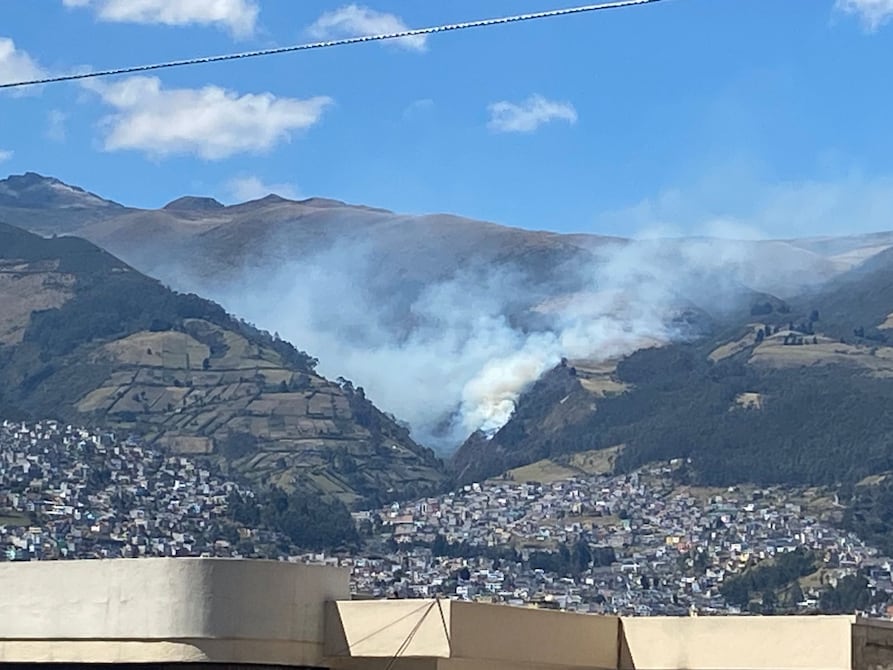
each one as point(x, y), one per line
point(88, 339)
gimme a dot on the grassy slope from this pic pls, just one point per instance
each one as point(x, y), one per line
point(122, 350)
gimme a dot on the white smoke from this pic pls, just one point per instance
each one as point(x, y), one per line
point(451, 356)
point(459, 363)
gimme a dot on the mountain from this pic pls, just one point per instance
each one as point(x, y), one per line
point(49, 206)
point(265, 229)
point(422, 308)
point(88, 339)
point(193, 204)
point(799, 396)
point(197, 239)
point(34, 191)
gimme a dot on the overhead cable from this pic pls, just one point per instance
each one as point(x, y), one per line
point(481, 23)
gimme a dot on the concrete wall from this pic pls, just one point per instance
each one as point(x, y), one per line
point(262, 612)
point(736, 643)
point(533, 638)
point(365, 635)
point(378, 628)
point(873, 645)
point(466, 636)
point(164, 610)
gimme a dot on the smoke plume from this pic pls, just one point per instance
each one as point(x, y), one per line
point(452, 357)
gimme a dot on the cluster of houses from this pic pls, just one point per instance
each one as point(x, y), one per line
point(68, 492)
point(672, 547)
point(633, 544)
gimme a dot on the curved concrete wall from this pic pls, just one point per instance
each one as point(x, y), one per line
point(170, 610)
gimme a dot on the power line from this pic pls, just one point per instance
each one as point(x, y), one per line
point(482, 23)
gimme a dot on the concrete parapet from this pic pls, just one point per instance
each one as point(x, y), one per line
point(220, 613)
point(166, 610)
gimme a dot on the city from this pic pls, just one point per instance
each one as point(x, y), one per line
point(636, 544)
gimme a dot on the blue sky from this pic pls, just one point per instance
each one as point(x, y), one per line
point(735, 117)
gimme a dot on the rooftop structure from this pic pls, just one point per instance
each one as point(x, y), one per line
point(232, 613)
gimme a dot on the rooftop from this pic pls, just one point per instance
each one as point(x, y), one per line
point(224, 612)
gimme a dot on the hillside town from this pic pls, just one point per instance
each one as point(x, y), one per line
point(634, 544)
point(668, 549)
point(68, 492)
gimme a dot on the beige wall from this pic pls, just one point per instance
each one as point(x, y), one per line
point(873, 645)
point(717, 643)
point(378, 628)
point(265, 612)
point(169, 610)
point(533, 637)
point(469, 636)
point(365, 635)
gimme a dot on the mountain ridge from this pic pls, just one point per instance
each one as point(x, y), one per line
point(264, 225)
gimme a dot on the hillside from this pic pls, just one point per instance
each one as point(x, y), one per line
point(809, 403)
point(416, 306)
point(86, 338)
point(446, 300)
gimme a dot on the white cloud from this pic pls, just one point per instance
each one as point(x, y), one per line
point(526, 117)
point(238, 16)
point(873, 13)
point(357, 21)
point(56, 130)
point(243, 189)
point(5, 155)
point(211, 122)
point(16, 65)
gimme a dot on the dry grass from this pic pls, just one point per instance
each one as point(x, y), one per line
point(598, 462)
point(241, 354)
point(102, 398)
point(170, 350)
point(872, 480)
point(188, 445)
point(705, 493)
point(735, 346)
point(593, 521)
point(543, 472)
point(547, 471)
point(23, 290)
point(774, 353)
point(598, 378)
point(815, 580)
point(602, 386)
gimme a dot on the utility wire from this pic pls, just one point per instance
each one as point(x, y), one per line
point(482, 23)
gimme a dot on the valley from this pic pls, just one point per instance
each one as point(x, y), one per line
point(645, 416)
